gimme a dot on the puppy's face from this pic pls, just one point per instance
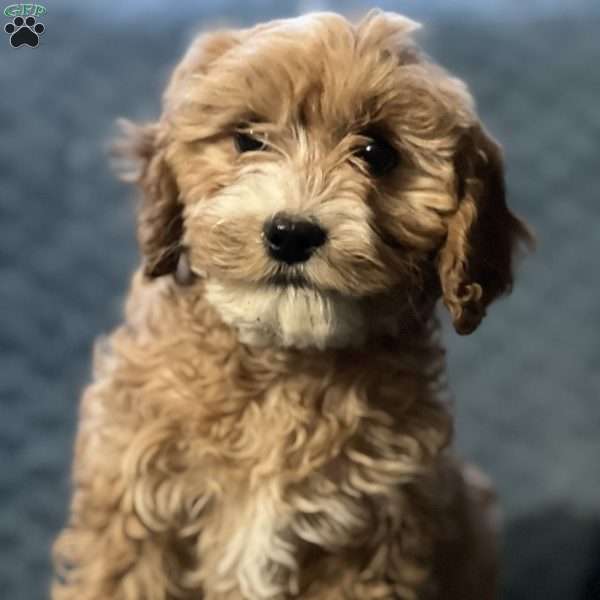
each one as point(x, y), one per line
point(326, 180)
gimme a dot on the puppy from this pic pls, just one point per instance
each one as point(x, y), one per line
point(269, 421)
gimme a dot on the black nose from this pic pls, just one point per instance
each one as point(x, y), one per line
point(292, 241)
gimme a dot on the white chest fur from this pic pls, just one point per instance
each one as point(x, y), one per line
point(257, 559)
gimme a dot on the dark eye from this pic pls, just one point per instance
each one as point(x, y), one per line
point(246, 142)
point(380, 156)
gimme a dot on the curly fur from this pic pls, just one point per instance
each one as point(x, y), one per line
point(242, 440)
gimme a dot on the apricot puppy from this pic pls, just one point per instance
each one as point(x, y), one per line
point(268, 422)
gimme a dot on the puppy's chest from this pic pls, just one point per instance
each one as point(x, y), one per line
point(326, 486)
point(289, 462)
point(265, 531)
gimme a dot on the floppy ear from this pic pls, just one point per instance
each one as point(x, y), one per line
point(160, 221)
point(160, 213)
point(475, 264)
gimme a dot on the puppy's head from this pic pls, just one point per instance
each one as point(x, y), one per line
point(317, 171)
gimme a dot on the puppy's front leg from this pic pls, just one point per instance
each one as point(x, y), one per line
point(126, 538)
point(370, 546)
point(390, 571)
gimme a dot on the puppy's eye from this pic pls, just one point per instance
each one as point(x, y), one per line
point(379, 155)
point(246, 142)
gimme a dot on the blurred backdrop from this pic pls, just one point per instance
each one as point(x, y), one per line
point(526, 384)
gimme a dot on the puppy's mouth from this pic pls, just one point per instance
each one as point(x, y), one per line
point(290, 279)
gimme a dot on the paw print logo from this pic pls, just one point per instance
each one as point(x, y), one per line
point(24, 32)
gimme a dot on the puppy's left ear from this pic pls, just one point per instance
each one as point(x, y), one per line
point(475, 264)
point(160, 220)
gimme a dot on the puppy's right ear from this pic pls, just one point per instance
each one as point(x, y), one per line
point(160, 219)
point(144, 147)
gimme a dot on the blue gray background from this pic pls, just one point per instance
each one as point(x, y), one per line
point(526, 384)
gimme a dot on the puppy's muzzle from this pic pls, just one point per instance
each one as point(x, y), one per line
point(291, 240)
